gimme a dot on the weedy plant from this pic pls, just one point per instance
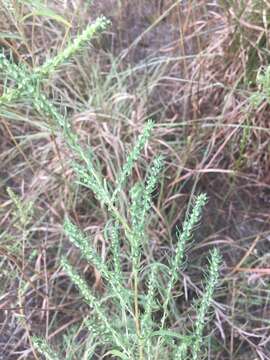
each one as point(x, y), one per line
point(131, 321)
point(263, 84)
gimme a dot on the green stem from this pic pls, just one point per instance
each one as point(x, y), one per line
point(137, 314)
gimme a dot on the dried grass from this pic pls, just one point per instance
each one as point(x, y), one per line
point(193, 71)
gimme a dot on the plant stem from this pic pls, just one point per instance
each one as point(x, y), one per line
point(137, 314)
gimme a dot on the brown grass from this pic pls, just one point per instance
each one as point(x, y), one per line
point(191, 66)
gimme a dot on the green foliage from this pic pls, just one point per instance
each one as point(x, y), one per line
point(91, 300)
point(263, 83)
point(8, 5)
point(123, 322)
point(28, 83)
point(134, 155)
point(212, 282)
point(51, 65)
point(23, 211)
point(243, 144)
point(181, 353)
point(183, 237)
point(43, 347)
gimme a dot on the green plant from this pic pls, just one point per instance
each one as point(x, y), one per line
point(263, 84)
point(125, 323)
point(133, 320)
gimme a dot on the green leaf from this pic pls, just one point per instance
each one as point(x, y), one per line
point(117, 353)
point(169, 333)
point(5, 35)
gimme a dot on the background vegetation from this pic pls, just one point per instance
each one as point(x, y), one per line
point(199, 70)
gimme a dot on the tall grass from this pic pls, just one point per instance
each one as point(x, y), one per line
point(195, 82)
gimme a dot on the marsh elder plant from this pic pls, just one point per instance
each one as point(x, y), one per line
point(132, 319)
